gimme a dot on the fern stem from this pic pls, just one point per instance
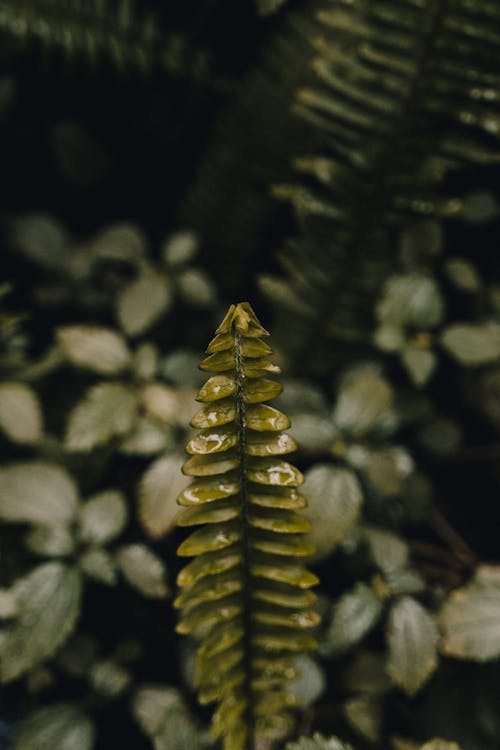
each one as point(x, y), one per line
point(246, 615)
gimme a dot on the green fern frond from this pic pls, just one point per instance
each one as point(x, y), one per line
point(246, 594)
point(98, 30)
point(410, 89)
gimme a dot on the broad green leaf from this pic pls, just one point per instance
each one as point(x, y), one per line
point(163, 716)
point(148, 438)
point(37, 492)
point(419, 363)
point(122, 242)
point(318, 742)
point(107, 411)
point(473, 344)
point(266, 7)
point(462, 275)
point(470, 618)
point(108, 678)
point(438, 744)
point(49, 604)
point(180, 248)
point(160, 485)
point(364, 403)
point(196, 288)
point(389, 551)
point(335, 500)
point(61, 726)
point(412, 299)
point(99, 565)
point(311, 682)
point(50, 540)
point(354, 615)
point(143, 570)
point(412, 640)
point(144, 301)
point(364, 714)
point(180, 367)
point(103, 517)
point(389, 337)
point(366, 674)
point(41, 239)
point(146, 361)
point(161, 402)
point(8, 605)
point(386, 470)
point(20, 413)
point(99, 349)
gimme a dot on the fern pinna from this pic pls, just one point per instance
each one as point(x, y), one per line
point(246, 593)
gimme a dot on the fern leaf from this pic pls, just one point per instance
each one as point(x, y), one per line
point(406, 92)
point(98, 30)
point(245, 594)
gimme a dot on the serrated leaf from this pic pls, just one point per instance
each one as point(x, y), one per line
point(101, 350)
point(103, 517)
point(470, 618)
point(120, 242)
point(142, 303)
point(107, 411)
point(37, 492)
point(419, 363)
point(318, 742)
point(143, 570)
point(163, 716)
point(49, 604)
point(354, 615)
point(335, 500)
point(473, 344)
point(99, 565)
point(365, 401)
point(365, 716)
point(438, 744)
point(160, 485)
point(412, 640)
point(412, 299)
point(20, 413)
point(61, 726)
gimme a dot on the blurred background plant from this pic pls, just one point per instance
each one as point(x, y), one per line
point(335, 163)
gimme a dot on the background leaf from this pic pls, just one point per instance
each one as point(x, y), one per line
point(61, 726)
point(101, 350)
point(335, 500)
point(160, 485)
point(143, 570)
point(20, 413)
point(37, 492)
point(412, 639)
point(103, 517)
point(107, 411)
point(470, 619)
point(49, 604)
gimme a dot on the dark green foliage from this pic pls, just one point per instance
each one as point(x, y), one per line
point(99, 30)
point(245, 595)
point(407, 92)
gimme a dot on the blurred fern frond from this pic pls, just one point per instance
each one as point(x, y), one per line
point(409, 90)
point(99, 30)
point(245, 594)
